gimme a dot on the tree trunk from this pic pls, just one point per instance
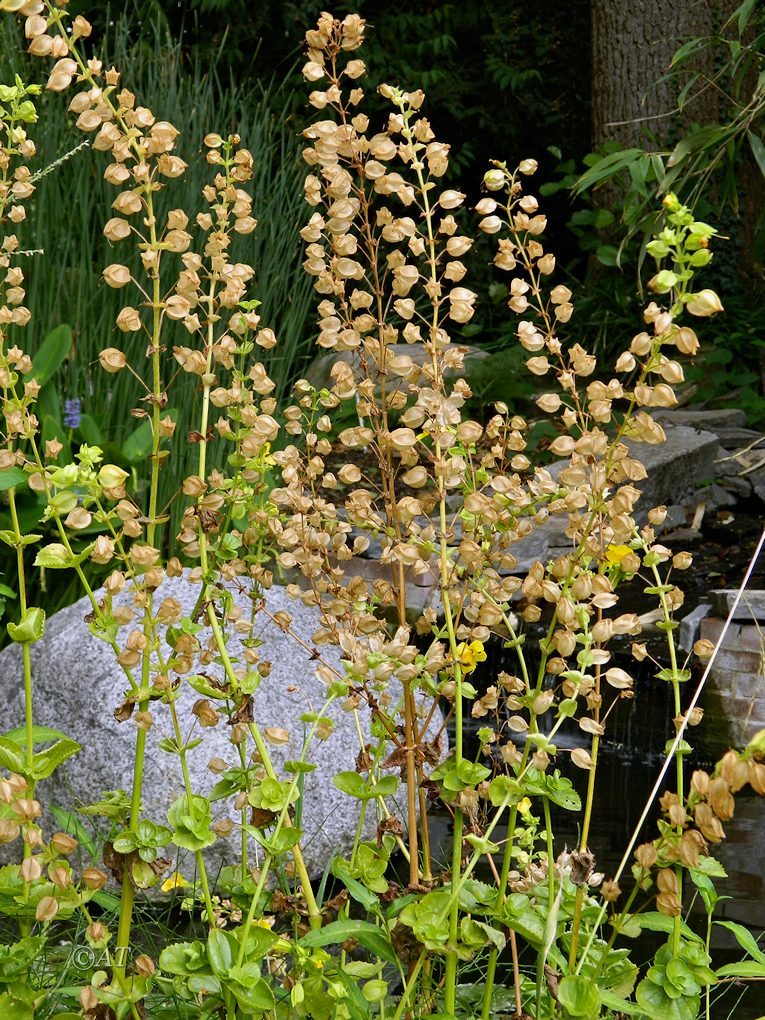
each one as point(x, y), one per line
point(633, 42)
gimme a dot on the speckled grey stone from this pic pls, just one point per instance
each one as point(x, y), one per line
point(77, 686)
point(319, 372)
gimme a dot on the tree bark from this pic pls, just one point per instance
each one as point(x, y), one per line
point(633, 42)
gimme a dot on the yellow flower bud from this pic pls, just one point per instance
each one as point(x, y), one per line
point(703, 304)
point(111, 477)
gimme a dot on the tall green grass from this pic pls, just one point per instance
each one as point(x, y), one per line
point(73, 202)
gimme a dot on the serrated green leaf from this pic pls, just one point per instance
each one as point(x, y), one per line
point(299, 767)
point(57, 557)
point(9, 537)
point(11, 755)
point(46, 762)
point(30, 629)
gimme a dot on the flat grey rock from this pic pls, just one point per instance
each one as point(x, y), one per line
point(737, 438)
point(77, 686)
point(705, 419)
point(757, 479)
point(677, 466)
point(689, 626)
point(751, 606)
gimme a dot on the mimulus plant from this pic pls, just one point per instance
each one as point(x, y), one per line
point(408, 928)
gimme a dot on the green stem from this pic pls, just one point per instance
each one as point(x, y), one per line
point(201, 869)
point(314, 914)
point(253, 908)
point(576, 920)
point(26, 656)
point(409, 986)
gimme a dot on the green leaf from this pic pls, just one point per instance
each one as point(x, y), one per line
point(90, 431)
point(48, 403)
point(359, 892)
point(11, 755)
point(355, 1002)
point(687, 50)
point(744, 969)
point(52, 353)
point(13, 1008)
point(12, 477)
point(219, 952)
point(620, 1005)
point(385, 787)
point(30, 629)
point(280, 842)
point(745, 939)
point(191, 823)
point(607, 255)
point(758, 150)
point(254, 998)
point(57, 557)
point(46, 762)
point(40, 735)
point(137, 446)
point(183, 958)
point(659, 1006)
point(299, 767)
point(68, 822)
point(744, 12)
point(702, 138)
point(652, 920)
point(607, 167)
point(9, 537)
point(579, 995)
point(366, 934)
point(356, 786)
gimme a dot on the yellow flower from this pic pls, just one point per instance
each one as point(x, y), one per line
point(616, 553)
point(470, 655)
point(524, 806)
point(175, 881)
point(265, 455)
